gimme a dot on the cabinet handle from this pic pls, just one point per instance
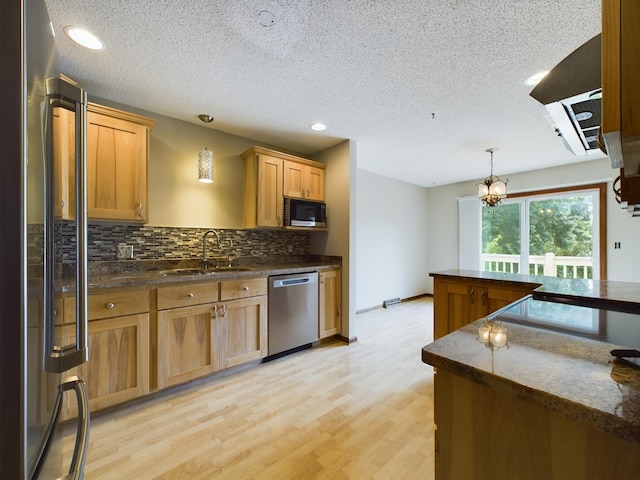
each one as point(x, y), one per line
point(140, 210)
point(482, 294)
point(110, 305)
point(190, 295)
point(246, 289)
point(279, 221)
point(471, 294)
point(62, 202)
point(224, 310)
point(215, 311)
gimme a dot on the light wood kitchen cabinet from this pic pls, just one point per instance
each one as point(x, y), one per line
point(620, 124)
point(118, 338)
point(303, 181)
point(206, 327)
point(187, 344)
point(459, 301)
point(243, 326)
point(329, 299)
point(263, 200)
point(187, 333)
point(117, 159)
point(269, 177)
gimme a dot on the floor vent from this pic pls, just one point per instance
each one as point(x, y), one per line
point(391, 301)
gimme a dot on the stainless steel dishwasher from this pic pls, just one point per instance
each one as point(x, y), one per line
point(293, 311)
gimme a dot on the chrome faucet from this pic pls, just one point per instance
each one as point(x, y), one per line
point(205, 264)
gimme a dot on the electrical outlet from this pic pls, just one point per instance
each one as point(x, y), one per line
point(125, 252)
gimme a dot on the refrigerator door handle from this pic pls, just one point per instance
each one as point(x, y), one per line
point(58, 359)
point(76, 468)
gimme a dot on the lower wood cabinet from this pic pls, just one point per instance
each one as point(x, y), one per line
point(329, 303)
point(187, 344)
point(118, 338)
point(196, 339)
point(243, 330)
point(459, 301)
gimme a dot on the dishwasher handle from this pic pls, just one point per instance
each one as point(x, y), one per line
point(290, 282)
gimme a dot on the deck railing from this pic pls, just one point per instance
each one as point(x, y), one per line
point(550, 265)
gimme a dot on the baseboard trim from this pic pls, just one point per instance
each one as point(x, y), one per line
point(347, 340)
point(408, 299)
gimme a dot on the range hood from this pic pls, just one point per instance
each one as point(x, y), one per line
point(571, 92)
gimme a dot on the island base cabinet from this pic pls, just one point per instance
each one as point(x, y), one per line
point(460, 302)
point(187, 346)
point(482, 433)
point(118, 366)
point(243, 330)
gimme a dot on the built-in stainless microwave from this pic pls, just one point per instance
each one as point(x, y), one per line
point(303, 213)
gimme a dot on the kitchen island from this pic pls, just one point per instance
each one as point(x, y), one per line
point(548, 400)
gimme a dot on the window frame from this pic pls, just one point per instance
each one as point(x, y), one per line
point(602, 214)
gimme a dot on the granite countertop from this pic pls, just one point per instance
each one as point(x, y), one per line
point(150, 273)
point(570, 375)
point(623, 296)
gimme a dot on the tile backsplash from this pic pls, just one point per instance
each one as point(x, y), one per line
point(169, 243)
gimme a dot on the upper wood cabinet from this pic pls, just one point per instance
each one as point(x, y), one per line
point(263, 200)
point(117, 159)
point(620, 125)
point(303, 181)
point(269, 177)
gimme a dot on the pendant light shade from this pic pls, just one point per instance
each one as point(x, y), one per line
point(205, 157)
point(205, 166)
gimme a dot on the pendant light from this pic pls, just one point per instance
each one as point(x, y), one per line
point(492, 190)
point(205, 157)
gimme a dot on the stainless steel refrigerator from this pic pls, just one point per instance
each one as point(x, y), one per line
point(42, 151)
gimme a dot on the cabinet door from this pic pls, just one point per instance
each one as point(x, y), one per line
point(303, 181)
point(187, 344)
point(490, 299)
point(118, 366)
point(454, 305)
point(315, 184)
point(294, 179)
point(116, 168)
point(329, 297)
point(243, 330)
point(270, 202)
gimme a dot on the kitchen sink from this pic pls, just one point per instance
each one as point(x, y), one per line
point(201, 271)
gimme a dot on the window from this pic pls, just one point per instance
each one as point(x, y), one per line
point(557, 233)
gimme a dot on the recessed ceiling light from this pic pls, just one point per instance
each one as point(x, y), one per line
point(83, 37)
point(535, 78)
point(318, 127)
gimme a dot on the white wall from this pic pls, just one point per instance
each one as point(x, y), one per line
point(392, 242)
point(622, 264)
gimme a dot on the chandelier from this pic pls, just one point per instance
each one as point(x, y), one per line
point(492, 190)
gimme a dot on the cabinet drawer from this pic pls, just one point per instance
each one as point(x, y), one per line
point(186, 295)
point(250, 287)
point(114, 304)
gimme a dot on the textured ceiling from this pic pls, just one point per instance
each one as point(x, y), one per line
point(423, 86)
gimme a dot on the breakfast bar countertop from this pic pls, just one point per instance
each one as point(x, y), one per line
point(570, 375)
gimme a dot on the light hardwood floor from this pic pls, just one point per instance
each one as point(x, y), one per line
point(363, 411)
